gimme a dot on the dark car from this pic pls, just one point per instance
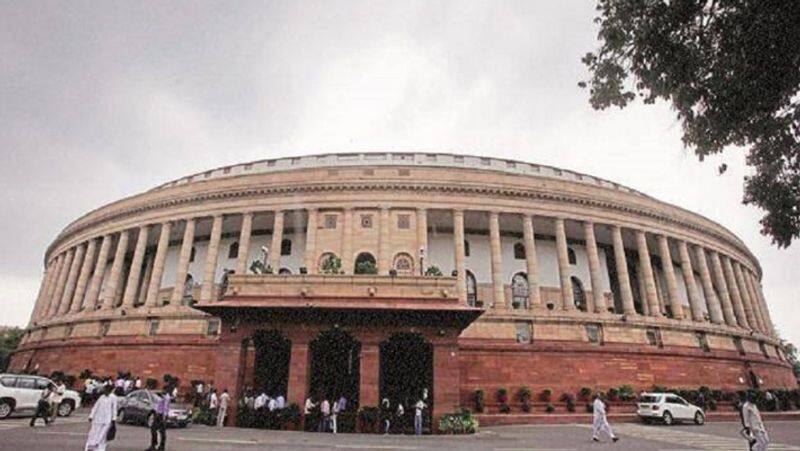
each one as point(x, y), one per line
point(139, 407)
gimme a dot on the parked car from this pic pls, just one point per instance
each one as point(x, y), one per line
point(668, 408)
point(21, 393)
point(139, 407)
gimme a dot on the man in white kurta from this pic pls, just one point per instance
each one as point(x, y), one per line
point(103, 414)
point(751, 418)
point(600, 421)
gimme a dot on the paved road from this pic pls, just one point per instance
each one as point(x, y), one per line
point(69, 434)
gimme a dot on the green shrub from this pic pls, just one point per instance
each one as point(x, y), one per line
point(366, 267)
point(524, 395)
point(458, 423)
point(585, 393)
point(626, 393)
point(151, 383)
point(502, 398)
point(332, 265)
point(550, 408)
point(433, 271)
point(546, 395)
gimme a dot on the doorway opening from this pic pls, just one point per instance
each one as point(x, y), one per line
point(271, 366)
point(335, 367)
point(406, 376)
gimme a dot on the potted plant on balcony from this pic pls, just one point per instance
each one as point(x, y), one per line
point(433, 271)
point(332, 265)
point(525, 398)
point(516, 304)
point(569, 400)
point(546, 395)
point(366, 267)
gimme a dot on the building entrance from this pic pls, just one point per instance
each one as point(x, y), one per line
point(335, 367)
point(271, 366)
point(406, 374)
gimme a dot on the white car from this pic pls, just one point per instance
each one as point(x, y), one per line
point(21, 392)
point(668, 408)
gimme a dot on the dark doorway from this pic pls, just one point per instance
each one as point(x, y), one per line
point(406, 371)
point(271, 366)
point(365, 264)
point(335, 367)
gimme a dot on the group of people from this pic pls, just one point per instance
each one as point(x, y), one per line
point(123, 384)
point(263, 401)
point(49, 400)
point(395, 414)
point(325, 413)
point(208, 397)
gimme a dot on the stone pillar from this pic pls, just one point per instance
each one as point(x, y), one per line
point(669, 275)
point(277, 238)
point(132, 287)
point(384, 259)
point(422, 238)
point(622, 271)
point(50, 277)
point(72, 279)
point(64, 261)
point(722, 286)
point(651, 295)
point(764, 307)
point(158, 266)
point(754, 301)
point(229, 363)
point(144, 283)
point(298, 373)
point(461, 270)
point(369, 373)
point(210, 267)
point(183, 263)
point(733, 290)
point(115, 275)
point(595, 273)
point(347, 241)
point(746, 301)
point(714, 310)
point(311, 241)
point(83, 276)
point(446, 383)
point(691, 285)
point(531, 263)
point(498, 288)
point(93, 291)
point(567, 296)
point(244, 243)
point(37, 306)
point(642, 290)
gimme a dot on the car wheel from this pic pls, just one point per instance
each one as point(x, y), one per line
point(699, 418)
point(668, 420)
point(65, 409)
point(5, 409)
point(151, 419)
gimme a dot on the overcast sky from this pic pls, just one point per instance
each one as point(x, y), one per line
point(101, 100)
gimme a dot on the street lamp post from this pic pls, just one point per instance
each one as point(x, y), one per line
point(421, 260)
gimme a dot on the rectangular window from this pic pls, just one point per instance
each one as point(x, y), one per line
point(366, 221)
point(594, 333)
point(213, 327)
point(403, 222)
point(523, 332)
point(654, 337)
point(737, 342)
point(763, 348)
point(153, 329)
point(702, 341)
point(330, 221)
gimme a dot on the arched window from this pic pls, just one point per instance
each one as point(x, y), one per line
point(571, 256)
point(466, 248)
point(286, 247)
point(519, 290)
point(519, 251)
point(578, 295)
point(365, 264)
point(329, 263)
point(472, 289)
point(188, 286)
point(233, 250)
point(403, 263)
point(191, 256)
point(284, 271)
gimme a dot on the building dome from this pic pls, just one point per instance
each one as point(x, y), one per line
point(505, 273)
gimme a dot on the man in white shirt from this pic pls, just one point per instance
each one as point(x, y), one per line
point(325, 410)
point(261, 401)
point(281, 401)
point(418, 408)
point(56, 396)
point(754, 426)
point(272, 404)
point(138, 383)
point(600, 420)
point(224, 399)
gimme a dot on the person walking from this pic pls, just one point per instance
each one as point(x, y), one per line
point(158, 429)
point(386, 415)
point(102, 418)
point(224, 399)
point(213, 403)
point(309, 411)
point(418, 408)
point(43, 406)
point(754, 426)
point(325, 415)
point(600, 420)
point(56, 396)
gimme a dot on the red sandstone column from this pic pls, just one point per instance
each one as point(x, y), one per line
point(83, 276)
point(622, 271)
point(49, 310)
point(669, 275)
point(746, 301)
point(229, 373)
point(384, 259)
point(498, 287)
point(183, 263)
point(298, 373)
point(733, 289)
point(72, 279)
point(61, 282)
point(210, 268)
point(369, 371)
point(458, 238)
point(97, 276)
point(691, 285)
point(151, 300)
point(244, 243)
point(748, 281)
point(310, 259)
point(531, 264)
point(129, 297)
point(651, 295)
point(446, 380)
point(722, 286)
point(567, 297)
point(712, 302)
point(277, 238)
point(115, 276)
point(764, 307)
point(41, 299)
point(594, 268)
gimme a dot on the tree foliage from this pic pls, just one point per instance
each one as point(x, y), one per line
point(9, 339)
point(730, 69)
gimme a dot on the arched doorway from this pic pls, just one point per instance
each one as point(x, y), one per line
point(365, 264)
point(271, 366)
point(406, 373)
point(335, 367)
